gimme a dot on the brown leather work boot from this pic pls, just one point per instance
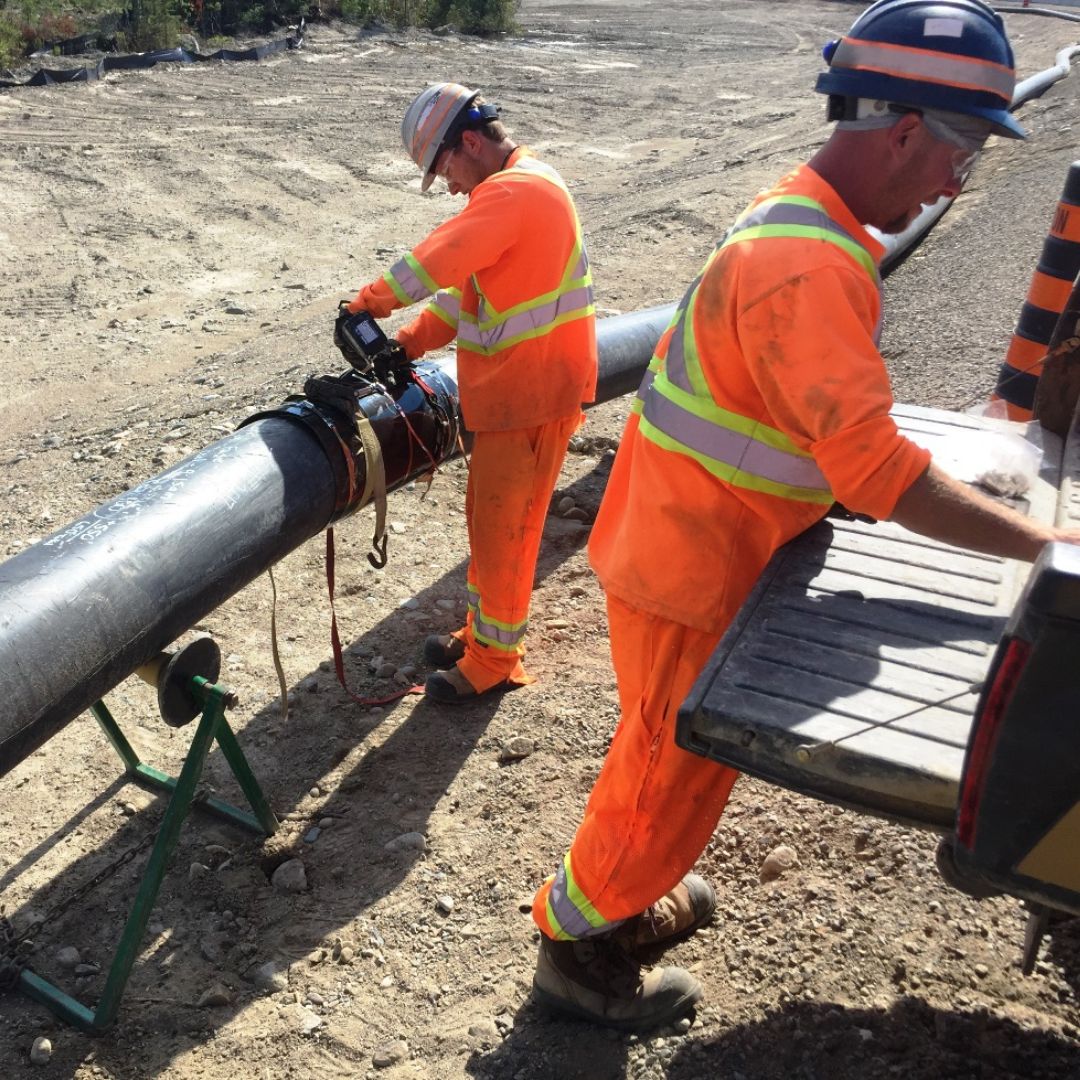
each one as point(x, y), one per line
point(443, 650)
point(674, 917)
point(597, 979)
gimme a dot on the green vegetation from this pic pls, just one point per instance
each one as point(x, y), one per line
point(468, 16)
point(139, 25)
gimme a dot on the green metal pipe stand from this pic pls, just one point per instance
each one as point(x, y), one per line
point(212, 727)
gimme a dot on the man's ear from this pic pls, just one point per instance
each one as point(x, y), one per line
point(472, 141)
point(904, 133)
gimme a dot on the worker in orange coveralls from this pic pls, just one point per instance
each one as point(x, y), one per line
point(511, 281)
point(765, 401)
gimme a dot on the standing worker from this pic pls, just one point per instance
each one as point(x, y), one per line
point(510, 280)
point(766, 400)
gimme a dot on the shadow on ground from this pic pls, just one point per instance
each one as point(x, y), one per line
point(408, 772)
point(801, 1041)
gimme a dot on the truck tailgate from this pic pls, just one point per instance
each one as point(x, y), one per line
point(853, 670)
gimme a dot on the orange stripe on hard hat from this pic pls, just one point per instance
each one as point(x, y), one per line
point(1048, 292)
point(1066, 224)
point(433, 124)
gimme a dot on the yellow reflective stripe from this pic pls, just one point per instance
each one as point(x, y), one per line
point(530, 305)
point(542, 331)
point(709, 410)
point(434, 309)
point(732, 475)
point(553, 922)
point(807, 232)
point(425, 278)
point(566, 284)
point(579, 908)
point(786, 200)
point(397, 290)
point(488, 630)
point(494, 643)
point(579, 899)
point(511, 628)
point(691, 359)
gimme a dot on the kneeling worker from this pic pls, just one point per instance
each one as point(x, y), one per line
point(511, 281)
point(766, 400)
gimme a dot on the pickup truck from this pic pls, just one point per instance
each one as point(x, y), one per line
point(907, 679)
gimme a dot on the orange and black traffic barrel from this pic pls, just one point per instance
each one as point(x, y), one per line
point(1051, 285)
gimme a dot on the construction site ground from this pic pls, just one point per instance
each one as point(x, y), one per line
point(173, 246)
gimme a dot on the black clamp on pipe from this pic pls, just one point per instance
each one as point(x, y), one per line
point(418, 425)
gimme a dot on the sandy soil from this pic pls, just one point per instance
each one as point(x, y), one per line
point(173, 244)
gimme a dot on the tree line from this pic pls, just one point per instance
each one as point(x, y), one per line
point(27, 26)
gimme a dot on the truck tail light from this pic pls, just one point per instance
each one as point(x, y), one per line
point(988, 724)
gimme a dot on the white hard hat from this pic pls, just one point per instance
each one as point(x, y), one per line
point(436, 118)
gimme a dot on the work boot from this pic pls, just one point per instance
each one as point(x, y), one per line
point(443, 650)
point(674, 917)
point(450, 687)
point(597, 979)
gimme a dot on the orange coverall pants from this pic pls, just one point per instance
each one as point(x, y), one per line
point(654, 806)
point(511, 477)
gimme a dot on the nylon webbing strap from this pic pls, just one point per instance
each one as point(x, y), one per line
point(283, 688)
point(335, 639)
point(374, 486)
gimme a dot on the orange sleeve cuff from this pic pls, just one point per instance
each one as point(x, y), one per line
point(377, 298)
point(870, 465)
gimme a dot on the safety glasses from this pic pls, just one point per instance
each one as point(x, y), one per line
point(443, 158)
point(968, 142)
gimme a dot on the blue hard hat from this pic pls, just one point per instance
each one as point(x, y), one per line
point(951, 55)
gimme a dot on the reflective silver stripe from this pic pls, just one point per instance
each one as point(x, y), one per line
point(740, 451)
point(572, 923)
point(496, 634)
point(676, 357)
point(407, 279)
point(449, 304)
point(925, 65)
point(534, 318)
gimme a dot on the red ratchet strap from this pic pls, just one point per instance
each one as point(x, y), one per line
point(335, 639)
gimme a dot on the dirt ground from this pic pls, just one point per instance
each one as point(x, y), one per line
point(173, 244)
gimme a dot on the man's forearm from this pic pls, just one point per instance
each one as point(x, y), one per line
point(944, 509)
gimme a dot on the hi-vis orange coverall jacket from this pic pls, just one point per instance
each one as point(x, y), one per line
point(511, 281)
point(766, 401)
